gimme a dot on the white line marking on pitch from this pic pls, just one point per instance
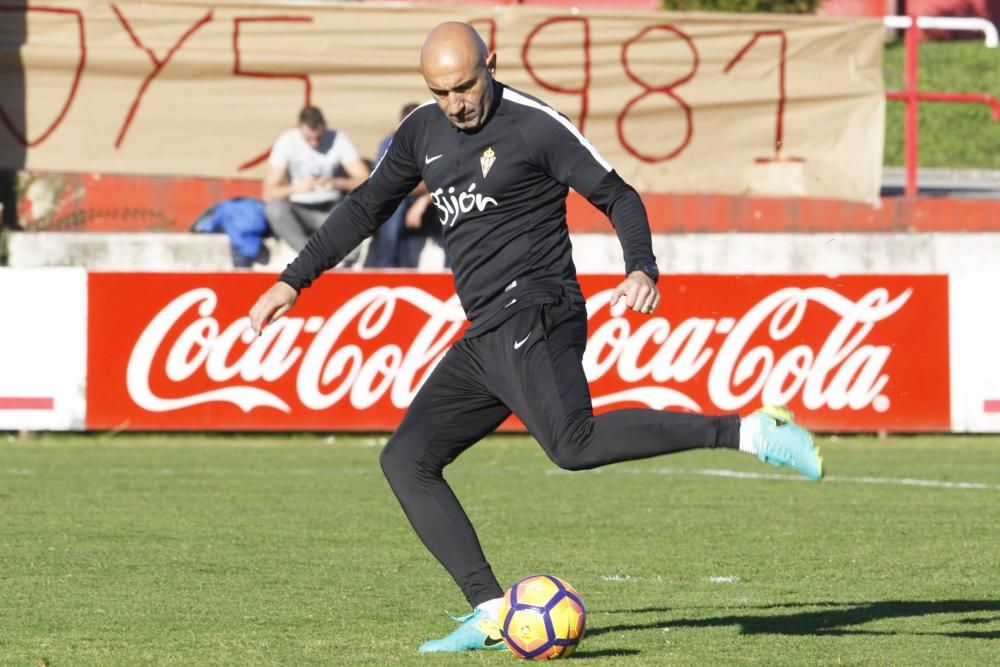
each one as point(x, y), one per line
point(739, 474)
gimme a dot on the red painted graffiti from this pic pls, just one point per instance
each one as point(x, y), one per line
point(779, 122)
point(158, 63)
point(77, 75)
point(584, 90)
point(667, 90)
point(491, 37)
point(239, 70)
point(570, 34)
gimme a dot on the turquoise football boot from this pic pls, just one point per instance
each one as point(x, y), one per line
point(477, 632)
point(781, 442)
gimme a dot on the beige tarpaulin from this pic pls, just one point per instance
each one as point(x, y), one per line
point(677, 102)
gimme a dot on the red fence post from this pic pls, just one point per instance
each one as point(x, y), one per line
point(910, 123)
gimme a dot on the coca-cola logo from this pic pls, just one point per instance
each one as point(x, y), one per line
point(348, 355)
point(326, 371)
point(841, 372)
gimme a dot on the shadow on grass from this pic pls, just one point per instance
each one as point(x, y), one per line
point(837, 618)
point(584, 654)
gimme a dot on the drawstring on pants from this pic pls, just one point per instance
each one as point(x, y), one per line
point(543, 320)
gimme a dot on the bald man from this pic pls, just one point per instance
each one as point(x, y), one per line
point(498, 164)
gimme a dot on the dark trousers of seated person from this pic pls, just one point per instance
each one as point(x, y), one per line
point(294, 223)
point(394, 245)
point(8, 198)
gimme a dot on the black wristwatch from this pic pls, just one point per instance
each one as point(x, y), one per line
point(649, 268)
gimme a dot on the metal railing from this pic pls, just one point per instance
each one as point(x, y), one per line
point(912, 95)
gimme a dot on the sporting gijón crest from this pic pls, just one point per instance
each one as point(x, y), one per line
point(487, 160)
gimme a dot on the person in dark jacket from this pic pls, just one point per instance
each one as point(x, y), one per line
point(498, 164)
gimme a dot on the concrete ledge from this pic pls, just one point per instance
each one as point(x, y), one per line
point(142, 251)
point(736, 253)
point(826, 254)
point(146, 251)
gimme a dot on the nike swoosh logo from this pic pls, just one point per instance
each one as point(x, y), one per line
point(510, 303)
point(519, 343)
point(490, 641)
point(428, 159)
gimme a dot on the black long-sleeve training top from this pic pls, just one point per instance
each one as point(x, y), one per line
point(500, 194)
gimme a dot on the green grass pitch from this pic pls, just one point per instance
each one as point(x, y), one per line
point(291, 550)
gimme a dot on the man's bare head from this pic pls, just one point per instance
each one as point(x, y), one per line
point(458, 70)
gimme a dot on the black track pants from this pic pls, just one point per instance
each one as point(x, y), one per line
point(530, 365)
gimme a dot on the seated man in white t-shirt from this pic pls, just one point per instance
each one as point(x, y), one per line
point(302, 184)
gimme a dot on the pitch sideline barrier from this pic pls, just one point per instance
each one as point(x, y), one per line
point(169, 351)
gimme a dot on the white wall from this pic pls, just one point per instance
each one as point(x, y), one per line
point(43, 347)
point(975, 351)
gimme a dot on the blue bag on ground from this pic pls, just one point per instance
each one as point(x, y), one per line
point(242, 220)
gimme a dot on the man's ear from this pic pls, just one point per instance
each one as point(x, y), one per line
point(491, 63)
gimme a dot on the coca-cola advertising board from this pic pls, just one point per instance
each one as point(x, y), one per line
point(849, 353)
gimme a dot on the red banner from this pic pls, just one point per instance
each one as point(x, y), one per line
point(704, 102)
point(173, 351)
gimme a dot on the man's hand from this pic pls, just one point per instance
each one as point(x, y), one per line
point(307, 184)
point(414, 218)
point(271, 305)
point(639, 291)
